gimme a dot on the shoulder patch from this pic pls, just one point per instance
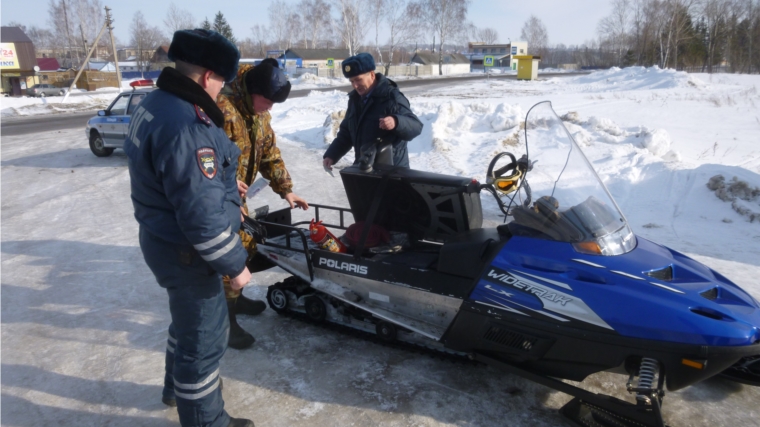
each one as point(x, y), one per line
point(207, 161)
point(202, 115)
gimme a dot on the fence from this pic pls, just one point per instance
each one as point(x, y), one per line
point(128, 75)
point(393, 70)
point(92, 80)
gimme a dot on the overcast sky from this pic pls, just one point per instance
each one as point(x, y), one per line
point(566, 22)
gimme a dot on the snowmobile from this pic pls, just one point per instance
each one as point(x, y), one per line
point(560, 290)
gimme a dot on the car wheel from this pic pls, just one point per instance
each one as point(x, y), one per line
point(42, 94)
point(98, 147)
point(61, 92)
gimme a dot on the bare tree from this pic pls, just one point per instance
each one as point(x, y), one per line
point(534, 32)
point(259, 39)
point(178, 19)
point(403, 19)
point(315, 16)
point(279, 14)
point(145, 39)
point(715, 13)
point(377, 13)
point(445, 18)
point(351, 24)
point(295, 27)
point(69, 18)
point(614, 27)
point(467, 34)
point(487, 35)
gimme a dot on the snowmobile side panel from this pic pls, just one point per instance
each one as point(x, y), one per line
point(404, 269)
point(571, 353)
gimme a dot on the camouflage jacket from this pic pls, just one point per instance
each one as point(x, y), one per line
point(253, 135)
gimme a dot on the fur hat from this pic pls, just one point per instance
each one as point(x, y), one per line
point(358, 64)
point(207, 49)
point(268, 80)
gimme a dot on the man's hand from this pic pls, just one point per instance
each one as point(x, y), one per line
point(243, 213)
point(238, 282)
point(293, 200)
point(327, 163)
point(388, 123)
point(242, 188)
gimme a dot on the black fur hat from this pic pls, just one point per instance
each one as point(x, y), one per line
point(358, 64)
point(268, 80)
point(207, 49)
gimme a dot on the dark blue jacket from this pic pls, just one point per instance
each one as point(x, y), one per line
point(182, 171)
point(362, 122)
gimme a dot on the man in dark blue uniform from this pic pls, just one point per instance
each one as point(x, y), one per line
point(182, 169)
point(376, 109)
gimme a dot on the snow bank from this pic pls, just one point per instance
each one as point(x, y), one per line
point(636, 78)
point(310, 81)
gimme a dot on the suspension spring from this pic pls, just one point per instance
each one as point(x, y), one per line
point(647, 372)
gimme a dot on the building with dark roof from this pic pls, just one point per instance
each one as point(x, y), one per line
point(453, 63)
point(48, 64)
point(18, 61)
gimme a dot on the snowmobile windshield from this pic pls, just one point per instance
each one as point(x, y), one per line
point(570, 203)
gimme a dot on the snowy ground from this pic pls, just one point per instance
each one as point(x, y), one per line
point(84, 324)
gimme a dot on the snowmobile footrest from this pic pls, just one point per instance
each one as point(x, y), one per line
point(589, 409)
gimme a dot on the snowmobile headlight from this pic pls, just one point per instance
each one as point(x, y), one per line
point(616, 243)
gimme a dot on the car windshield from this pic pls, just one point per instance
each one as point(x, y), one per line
point(570, 203)
point(120, 106)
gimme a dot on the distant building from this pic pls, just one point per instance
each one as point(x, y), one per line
point(453, 63)
point(125, 53)
point(48, 64)
point(502, 53)
point(313, 58)
point(160, 55)
point(18, 61)
point(101, 66)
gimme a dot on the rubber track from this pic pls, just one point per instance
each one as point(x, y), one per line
point(368, 336)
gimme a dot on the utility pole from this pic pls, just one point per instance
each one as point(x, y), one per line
point(81, 68)
point(68, 35)
point(85, 44)
point(109, 21)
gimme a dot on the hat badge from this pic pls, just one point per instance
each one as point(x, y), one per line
point(347, 68)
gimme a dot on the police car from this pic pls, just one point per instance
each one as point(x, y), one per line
point(108, 129)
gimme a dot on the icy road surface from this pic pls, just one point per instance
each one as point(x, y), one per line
point(84, 324)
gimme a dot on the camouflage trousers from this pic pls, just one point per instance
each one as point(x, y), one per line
point(250, 245)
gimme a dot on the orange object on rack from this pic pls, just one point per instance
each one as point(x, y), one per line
point(322, 237)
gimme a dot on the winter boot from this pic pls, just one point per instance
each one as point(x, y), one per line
point(240, 422)
point(248, 306)
point(239, 338)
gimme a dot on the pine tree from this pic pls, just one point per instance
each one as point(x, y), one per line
point(206, 25)
point(222, 27)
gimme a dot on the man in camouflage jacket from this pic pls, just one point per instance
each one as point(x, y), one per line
point(246, 104)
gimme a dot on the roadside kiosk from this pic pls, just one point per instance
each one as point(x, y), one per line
point(527, 66)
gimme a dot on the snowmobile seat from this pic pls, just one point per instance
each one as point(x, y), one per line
point(425, 205)
point(420, 260)
point(465, 254)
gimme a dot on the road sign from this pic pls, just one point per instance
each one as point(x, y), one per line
point(488, 61)
point(330, 63)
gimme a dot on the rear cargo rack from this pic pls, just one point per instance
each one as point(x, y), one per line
point(275, 229)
